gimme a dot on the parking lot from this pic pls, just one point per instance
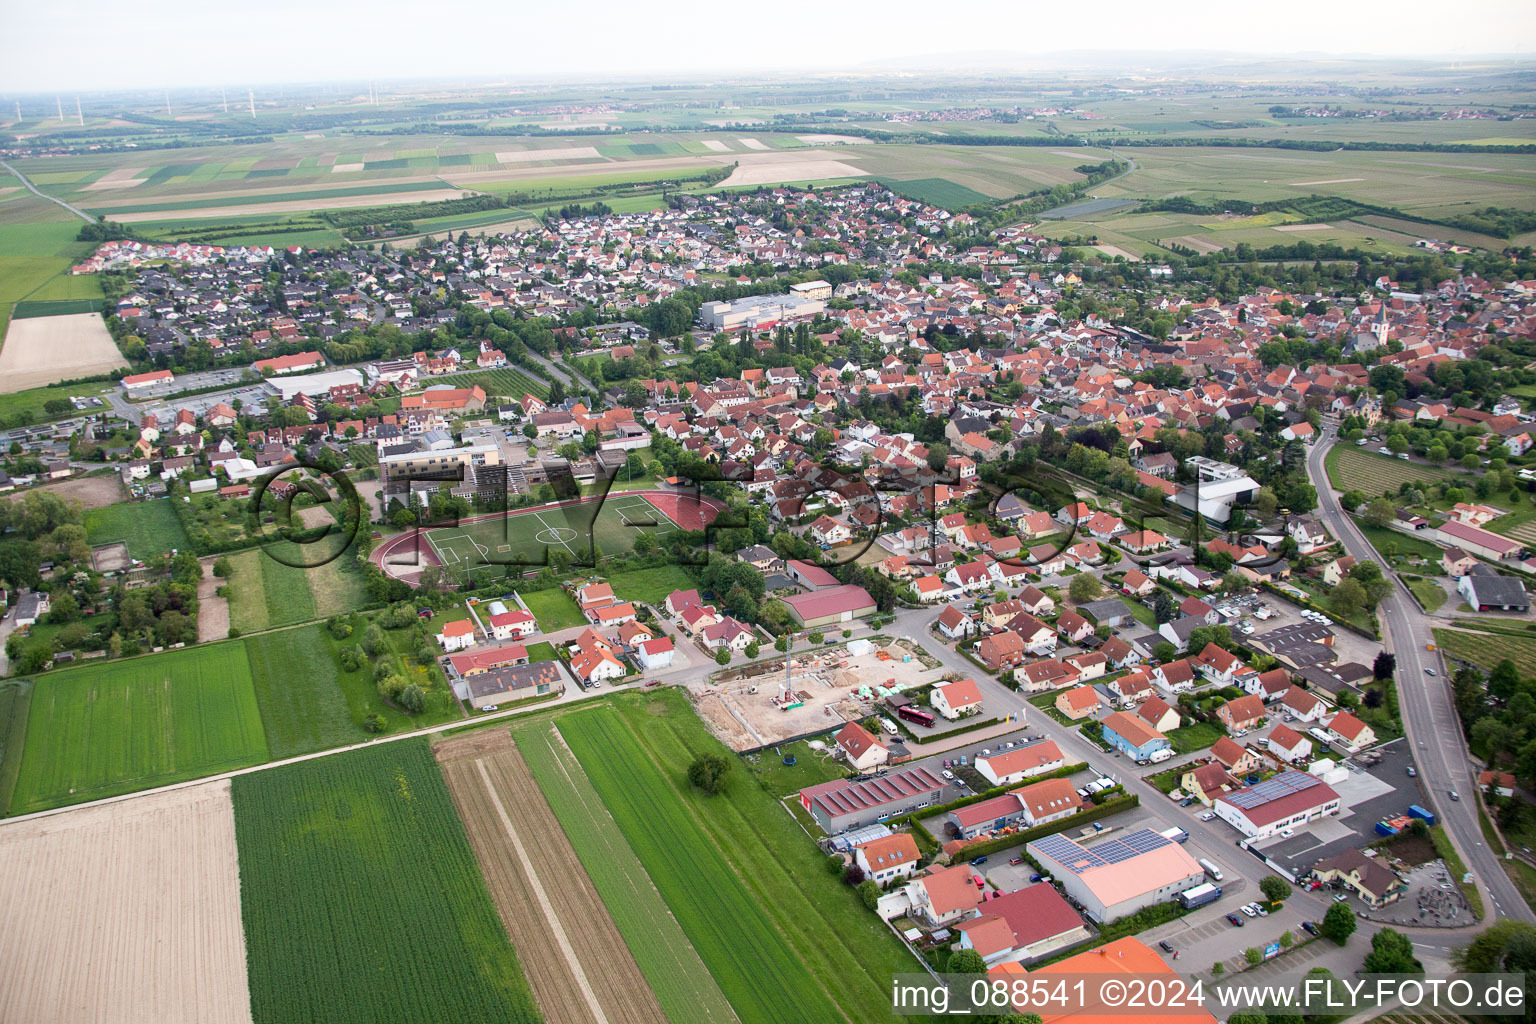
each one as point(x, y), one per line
point(1367, 796)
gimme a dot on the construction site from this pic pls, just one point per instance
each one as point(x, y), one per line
point(773, 702)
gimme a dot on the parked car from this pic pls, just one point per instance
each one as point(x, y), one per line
point(1208, 816)
point(1016, 861)
point(1455, 795)
point(1248, 911)
point(947, 773)
point(1165, 946)
point(978, 861)
point(1234, 920)
point(1340, 897)
point(1413, 772)
point(1309, 927)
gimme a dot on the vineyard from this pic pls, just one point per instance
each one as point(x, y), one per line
point(1485, 650)
point(508, 382)
point(362, 900)
point(756, 969)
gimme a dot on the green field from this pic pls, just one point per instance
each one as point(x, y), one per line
point(651, 585)
point(1485, 650)
point(102, 729)
point(687, 993)
point(265, 593)
point(149, 528)
point(554, 609)
point(746, 841)
point(297, 683)
point(530, 536)
point(508, 382)
point(15, 697)
point(749, 958)
point(362, 900)
point(37, 248)
point(1353, 468)
point(935, 191)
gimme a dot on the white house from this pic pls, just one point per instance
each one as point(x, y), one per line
point(512, 624)
point(656, 653)
point(457, 635)
point(955, 699)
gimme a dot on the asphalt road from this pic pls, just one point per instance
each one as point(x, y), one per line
point(1429, 717)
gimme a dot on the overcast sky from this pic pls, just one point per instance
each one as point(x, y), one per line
point(104, 44)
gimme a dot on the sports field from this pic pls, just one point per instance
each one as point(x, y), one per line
point(585, 530)
point(102, 729)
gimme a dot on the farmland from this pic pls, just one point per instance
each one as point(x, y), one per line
point(1351, 468)
point(749, 958)
point(264, 593)
point(361, 897)
point(295, 676)
point(575, 958)
point(758, 856)
point(101, 729)
point(125, 911)
point(149, 528)
point(42, 350)
point(508, 382)
point(668, 961)
point(1485, 650)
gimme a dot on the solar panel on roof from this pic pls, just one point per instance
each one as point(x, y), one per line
point(1127, 847)
point(1064, 851)
point(1271, 789)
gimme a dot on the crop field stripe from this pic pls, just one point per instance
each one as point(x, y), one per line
point(302, 706)
point(684, 988)
point(362, 900)
point(758, 972)
point(853, 954)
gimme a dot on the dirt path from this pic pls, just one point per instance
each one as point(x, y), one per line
point(212, 610)
point(127, 912)
point(577, 963)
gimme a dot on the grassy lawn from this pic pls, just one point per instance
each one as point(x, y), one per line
point(671, 966)
point(247, 599)
point(302, 708)
point(1485, 650)
point(542, 651)
point(1429, 594)
point(100, 729)
point(811, 767)
point(1047, 702)
point(264, 593)
point(335, 587)
point(554, 609)
point(1402, 543)
point(149, 528)
point(314, 838)
point(651, 585)
point(1189, 738)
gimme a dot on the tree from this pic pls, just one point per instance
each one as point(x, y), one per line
point(1085, 587)
point(1505, 945)
point(753, 648)
point(1347, 598)
point(965, 961)
point(1287, 939)
point(709, 771)
point(1274, 888)
point(1163, 608)
point(412, 700)
point(938, 456)
point(815, 636)
point(373, 640)
point(1385, 666)
point(723, 656)
point(1397, 444)
point(853, 875)
point(1253, 956)
point(1391, 953)
point(1165, 651)
point(1379, 513)
point(869, 893)
point(1338, 924)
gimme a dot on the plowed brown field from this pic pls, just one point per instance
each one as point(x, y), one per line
point(575, 959)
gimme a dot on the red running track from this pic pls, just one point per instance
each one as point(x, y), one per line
point(686, 510)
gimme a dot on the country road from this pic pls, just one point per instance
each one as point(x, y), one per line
point(52, 199)
point(1429, 717)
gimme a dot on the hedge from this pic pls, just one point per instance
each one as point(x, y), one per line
point(929, 737)
point(1087, 817)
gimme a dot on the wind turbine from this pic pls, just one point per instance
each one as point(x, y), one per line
point(251, 93)
point(224, 95)
point(60, 102)
point(79, 114)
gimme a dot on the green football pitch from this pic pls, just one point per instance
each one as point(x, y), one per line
point(530, 536)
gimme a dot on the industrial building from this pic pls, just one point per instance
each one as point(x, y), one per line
point(1217, 487)
point(759, 312)
point(1274, 805)
point(853, 803)
point(1119, 876)
point(830, 607)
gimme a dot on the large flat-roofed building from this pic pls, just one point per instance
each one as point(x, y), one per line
point(853, 803)
point(1285, 801)
point(314, 384)
point(758, 311)
point(510, 682)
point(1119, 876)
point(441, 464)
point(1218, 486)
